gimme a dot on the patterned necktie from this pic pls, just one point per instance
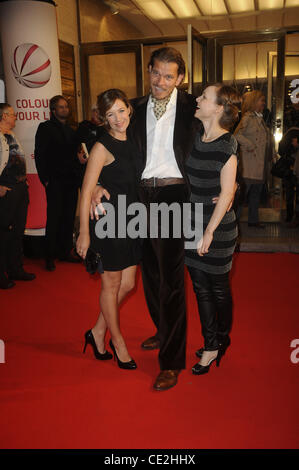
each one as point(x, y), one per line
point(160, 106)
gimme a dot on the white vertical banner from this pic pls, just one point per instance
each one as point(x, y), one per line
point(32, 76)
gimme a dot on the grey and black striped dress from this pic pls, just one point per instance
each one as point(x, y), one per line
point(203, 167)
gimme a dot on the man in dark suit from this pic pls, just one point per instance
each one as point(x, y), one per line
point(163, 127)
point(59, 171)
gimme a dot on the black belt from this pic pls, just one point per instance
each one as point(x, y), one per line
point(156, 182)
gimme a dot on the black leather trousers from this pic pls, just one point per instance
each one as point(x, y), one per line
point(214, 302)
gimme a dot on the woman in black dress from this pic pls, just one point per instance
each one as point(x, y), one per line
point(211, 168)
point(112, 163)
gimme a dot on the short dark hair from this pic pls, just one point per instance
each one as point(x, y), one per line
point(106, 100)
point(53, 102)
point(3, 109)
point(230, 99)
point(169, 54)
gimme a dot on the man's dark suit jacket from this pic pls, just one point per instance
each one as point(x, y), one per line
point(185, 128)
point(56, 152)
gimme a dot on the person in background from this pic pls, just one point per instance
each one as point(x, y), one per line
point(87, 133)
point(268, 117)
point(58, 164)
point(288, 149)
point(256, 147)
point(290, 182)
point(295, 222)
point(291, 115)
point(88, 129)
point(14, 200)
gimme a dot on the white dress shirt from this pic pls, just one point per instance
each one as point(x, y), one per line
point(160, 158)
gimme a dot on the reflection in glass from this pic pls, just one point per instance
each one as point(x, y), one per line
point(197, 68)
point(112, 71)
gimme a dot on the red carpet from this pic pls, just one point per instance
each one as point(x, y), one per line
point(53, 396)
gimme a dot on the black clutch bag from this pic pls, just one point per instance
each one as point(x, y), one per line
point(93, 262)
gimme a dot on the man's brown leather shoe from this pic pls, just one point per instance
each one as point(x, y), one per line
point(166, 379)
point(151, 343)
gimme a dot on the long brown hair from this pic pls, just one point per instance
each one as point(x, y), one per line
point(250, 100)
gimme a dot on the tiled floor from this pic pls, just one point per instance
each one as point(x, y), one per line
point(275, 237)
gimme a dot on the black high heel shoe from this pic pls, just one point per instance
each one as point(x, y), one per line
point(221, 351)
point(123, 365)
point(89, 339)
point(222, 346)
point(199, 352)
point(198, 369)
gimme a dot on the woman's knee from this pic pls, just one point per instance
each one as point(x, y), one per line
point(111, 281)
point(128, 284)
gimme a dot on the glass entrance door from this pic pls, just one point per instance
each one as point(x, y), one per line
point(110, 67)
point(246, 67)
point(286, 116)
point(197, 61)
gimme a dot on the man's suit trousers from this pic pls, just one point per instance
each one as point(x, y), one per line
point(163, 279)
point(61, 210)
point(13, 214)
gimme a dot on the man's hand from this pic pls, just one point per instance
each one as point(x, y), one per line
point(82, 157)
point(3, 190)
point(96, 201)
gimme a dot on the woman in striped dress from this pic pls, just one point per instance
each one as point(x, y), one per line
point(211, 169)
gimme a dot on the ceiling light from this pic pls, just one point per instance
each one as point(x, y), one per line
point(240, 7)
point(183, 8)
point(292, 3)
point(113, 5)
point(270, 4)
point(155, 9)
point(214, 7)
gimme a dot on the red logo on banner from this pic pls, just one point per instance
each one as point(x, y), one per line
point(31, 66)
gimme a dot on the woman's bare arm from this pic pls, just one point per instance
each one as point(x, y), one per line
point(97, 159)
point(227, 182)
